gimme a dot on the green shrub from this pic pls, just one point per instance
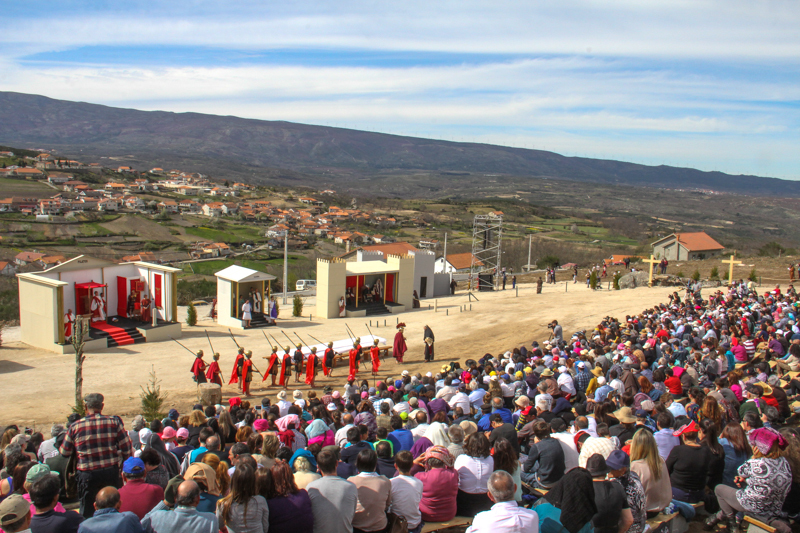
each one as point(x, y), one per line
point(772, 249)
point(696, 275)
point(191, 315)
point(714, 273)
point(297, 305)
point(753, 275)
point(680, 274)
point(593, 280)
point(617, 276)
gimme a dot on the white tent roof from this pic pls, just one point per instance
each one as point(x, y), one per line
point(240, 274)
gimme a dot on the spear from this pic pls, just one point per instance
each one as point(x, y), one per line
point(232, 337)
point(277, 344)
point(185, 348)
point(371, 335)
point(237, 345)
point(209, 342)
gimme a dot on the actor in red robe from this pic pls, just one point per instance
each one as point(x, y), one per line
point(214, 373)
point(311, 367)
point(327, 360)
point(199, 367)
point(286, 367)
point(236, 373)
point(375, 355)
point(69, 318)
point(399, 347)
point(353, 362)
point(272, 366)
point(247, 373)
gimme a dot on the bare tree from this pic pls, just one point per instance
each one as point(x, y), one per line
point(79, 337)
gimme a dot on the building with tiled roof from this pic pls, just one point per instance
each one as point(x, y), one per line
point(686, 246)
point(457, 263)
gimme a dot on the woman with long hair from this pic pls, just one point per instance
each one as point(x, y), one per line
point(227, 429)
point(289, 507)
point(696, 397)
point(197, 421)
point(243, 509)
point(712, 411)
point(737, 450)
point(792, 454)
point(366, 416)
point(506, 459)
point(269, 449)
point(474, 467)
point(734, 383)
point(709, 433)
point(647, 463)
point(220, 470)
point(765, 480)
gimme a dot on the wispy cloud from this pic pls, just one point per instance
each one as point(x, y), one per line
point(709, 84)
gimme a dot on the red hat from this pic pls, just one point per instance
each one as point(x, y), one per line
point(686, 428)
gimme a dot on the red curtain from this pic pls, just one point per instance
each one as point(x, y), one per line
point(122, 296)
point(157, 288)
point(350, 282)
point(389, 290)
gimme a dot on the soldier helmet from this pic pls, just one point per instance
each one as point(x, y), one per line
point(241, 350)
point(299, 345)
point(287, 349)
point(313, 349)
point(248, 353)
point(274, 348)
point(375, 341)
point(199, 353)
point(330, 345)
point(216, 355)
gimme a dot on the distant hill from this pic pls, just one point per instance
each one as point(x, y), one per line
point(290, 153)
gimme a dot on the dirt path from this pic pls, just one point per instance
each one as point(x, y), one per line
point(39, 386)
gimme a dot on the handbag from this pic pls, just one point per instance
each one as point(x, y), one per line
point(397, 523)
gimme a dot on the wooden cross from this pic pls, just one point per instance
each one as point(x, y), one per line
point(732, 262)
point(652, 262)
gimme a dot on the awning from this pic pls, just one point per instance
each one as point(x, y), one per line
point(90, 285)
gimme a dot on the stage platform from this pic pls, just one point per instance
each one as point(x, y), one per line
point(120, 331)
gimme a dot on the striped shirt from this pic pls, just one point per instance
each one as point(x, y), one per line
point(100, 441)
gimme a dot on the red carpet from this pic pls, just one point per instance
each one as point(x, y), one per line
point(115, 332)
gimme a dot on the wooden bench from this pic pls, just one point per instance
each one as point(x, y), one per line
point(385, 351)
point(661, 523)
point(757, 526)
point(458, 521)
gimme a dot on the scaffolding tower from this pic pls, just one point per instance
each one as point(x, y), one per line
point(487, 236)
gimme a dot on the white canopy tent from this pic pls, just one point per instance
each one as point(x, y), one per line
point(235, 283)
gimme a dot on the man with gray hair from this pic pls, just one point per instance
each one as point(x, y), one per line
point(185, 518)
point(102, 445)
point(49, 448)
point(505, 516)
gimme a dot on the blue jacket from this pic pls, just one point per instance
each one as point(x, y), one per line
point(401, 439)
point(105, 520)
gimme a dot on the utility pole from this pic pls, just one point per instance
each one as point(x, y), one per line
point(285, 263)
point(444, 257)
point(529, 252)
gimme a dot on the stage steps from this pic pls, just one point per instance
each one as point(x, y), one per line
point(259, 321)
point(117, 336)
point(372, 309)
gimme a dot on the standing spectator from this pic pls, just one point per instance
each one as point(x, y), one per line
point(107, 516)
point(185, 518)
point(333, 499)
point(101, 444)
point(374, 494)
point(138, 496)
point(407, 492)
point(505, 515)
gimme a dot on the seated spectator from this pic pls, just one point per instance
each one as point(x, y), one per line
point(456, 435)
point(601, 444)
point(289, 507)
point(619, 464)
point(688, 465)
point(503, 430)
point(439, 485)
point(206, 479)
point(333, 499)
point(354, 447)
point(505, 514)
point(386, 466)
point(569, 504)
point(613, 512)
point(44, 495)
point(304, 467)
point(374, 494)
point(185, 518)
point(474, 467)
point(652, 471)
point(402, 439)
point(406, 492)
point(507, 459)
point(665, 440)
point(545, 463)
point(138, 496)
point(15, 514)
point(107, 516)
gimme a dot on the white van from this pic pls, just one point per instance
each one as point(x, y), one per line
point(306, 285)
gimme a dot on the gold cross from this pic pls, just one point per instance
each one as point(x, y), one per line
point(652, 262)
point(732, 262)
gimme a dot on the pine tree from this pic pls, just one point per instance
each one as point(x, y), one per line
point(153, 399)
point(297, 305)
point(191, 315)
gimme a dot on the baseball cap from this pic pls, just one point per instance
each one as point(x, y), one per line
point(13, 509)
point(182, 433)
point(37, 472)
point(133, 465)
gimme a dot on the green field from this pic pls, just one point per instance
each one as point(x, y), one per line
point(23, 187)
point(209, 268)
point(231, 233)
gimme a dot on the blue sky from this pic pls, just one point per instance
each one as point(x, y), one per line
point(708, 84)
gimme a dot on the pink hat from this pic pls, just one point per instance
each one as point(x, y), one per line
point(364, 395)
point(261, 425)
point(391, 388)
point(169, 433)
point(182, 433)
point(336, 394)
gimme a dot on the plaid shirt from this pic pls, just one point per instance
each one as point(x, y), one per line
point(582, 379)
point(100, 441)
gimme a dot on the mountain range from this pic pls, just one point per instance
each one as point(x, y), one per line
point(276, 152)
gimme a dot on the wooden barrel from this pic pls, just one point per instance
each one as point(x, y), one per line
point(210, 394)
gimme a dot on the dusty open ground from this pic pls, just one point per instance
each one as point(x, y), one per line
point(38, 386)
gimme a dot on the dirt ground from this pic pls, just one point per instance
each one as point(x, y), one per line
point(38, 386)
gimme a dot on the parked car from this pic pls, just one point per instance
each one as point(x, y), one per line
point(306, 285)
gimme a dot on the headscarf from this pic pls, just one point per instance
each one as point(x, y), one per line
point(574, 495)
point(169, 460)
point(204, 471)
point(303, 453)
point(316, 428)
point(437, 434)
point(420, 447)
point(283, 422)
point(441, 453)
point(765, 438)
